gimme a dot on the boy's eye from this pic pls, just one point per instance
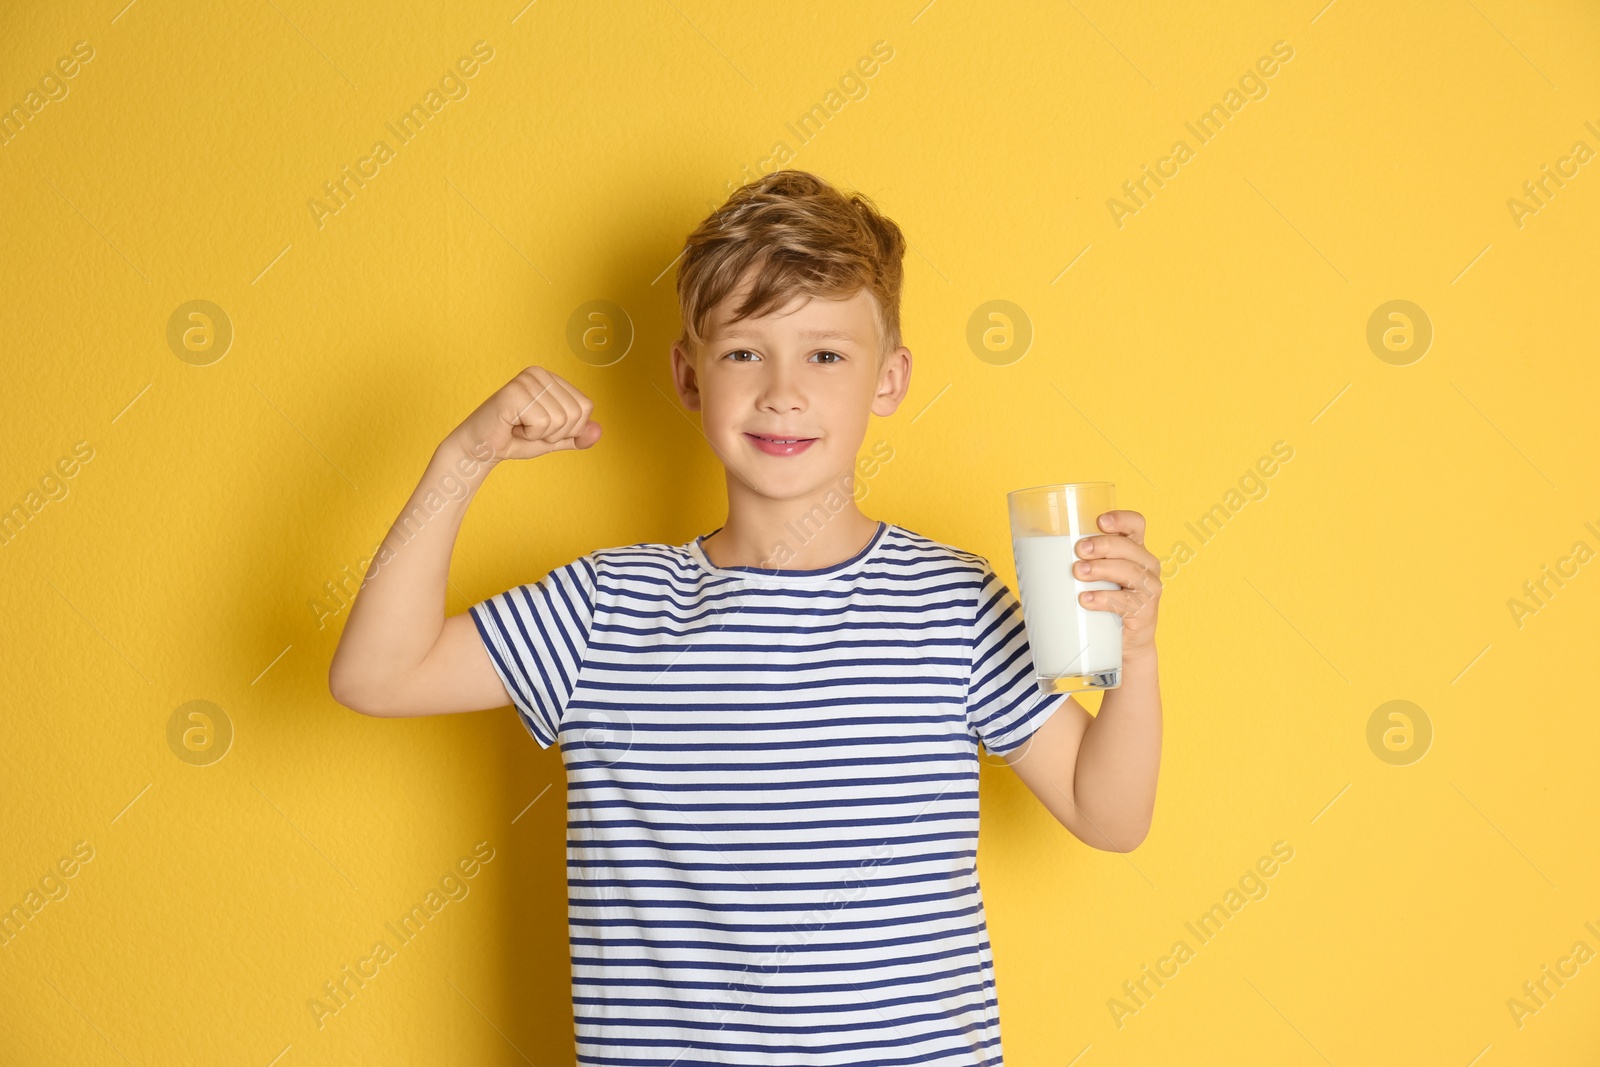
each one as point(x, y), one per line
point(736, 353)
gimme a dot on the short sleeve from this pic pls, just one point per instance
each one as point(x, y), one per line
point(536, 636)
point(1005, 704)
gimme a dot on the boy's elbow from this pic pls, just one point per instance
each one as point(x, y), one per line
point(352, 696)
point(1125, 841)
point(1128, 844)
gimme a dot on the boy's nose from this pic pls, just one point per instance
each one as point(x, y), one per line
point(781, 392)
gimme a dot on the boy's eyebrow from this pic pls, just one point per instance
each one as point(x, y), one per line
point(808, 335)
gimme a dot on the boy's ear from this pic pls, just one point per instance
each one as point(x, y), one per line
point(685, 378)
point(894, 381)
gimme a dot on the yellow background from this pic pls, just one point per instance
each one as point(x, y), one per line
point(1228, 314)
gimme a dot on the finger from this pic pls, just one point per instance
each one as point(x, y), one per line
point(1125, 572)
point(586, 436)
point(585, 405)
point(567, 396)
point(537, 381)
point(534, 416)
point(1114, 546)
point(574, 403)
point(542, 415)
point(1125, 602)
point(1130, 523)
point(536, 385)
point(569, 414)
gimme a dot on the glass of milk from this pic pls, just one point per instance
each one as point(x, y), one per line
point(1074, 647)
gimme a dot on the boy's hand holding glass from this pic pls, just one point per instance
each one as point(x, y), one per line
point(1088, 585)
point(1118, 555)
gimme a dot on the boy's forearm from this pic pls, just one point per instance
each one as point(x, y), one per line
point(1114, 783)
point(399, 610)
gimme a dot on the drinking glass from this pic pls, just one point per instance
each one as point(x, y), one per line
point(1074, 648)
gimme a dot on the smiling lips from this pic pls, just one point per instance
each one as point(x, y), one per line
point(780, 446)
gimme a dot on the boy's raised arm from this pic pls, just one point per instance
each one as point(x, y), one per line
point(399, 655)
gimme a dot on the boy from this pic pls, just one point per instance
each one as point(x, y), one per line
point(771, 732)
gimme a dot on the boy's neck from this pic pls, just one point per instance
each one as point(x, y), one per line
point(789, 536)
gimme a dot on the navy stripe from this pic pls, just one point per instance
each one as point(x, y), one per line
point(783, 805)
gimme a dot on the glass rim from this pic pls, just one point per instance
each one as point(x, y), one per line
point(1057, 485)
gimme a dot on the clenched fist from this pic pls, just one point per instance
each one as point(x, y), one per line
point(536, 412)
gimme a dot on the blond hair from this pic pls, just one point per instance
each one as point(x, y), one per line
point(805, 237)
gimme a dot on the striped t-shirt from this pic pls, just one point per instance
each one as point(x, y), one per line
point(772, 796)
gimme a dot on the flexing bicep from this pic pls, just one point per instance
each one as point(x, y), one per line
point(456, 675)
point(1047, 760)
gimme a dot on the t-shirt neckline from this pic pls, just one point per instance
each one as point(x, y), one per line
point(835, 570)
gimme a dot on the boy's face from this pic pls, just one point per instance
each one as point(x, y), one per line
point(809, 370)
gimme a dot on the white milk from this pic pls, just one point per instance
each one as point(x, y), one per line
point(1066, 637)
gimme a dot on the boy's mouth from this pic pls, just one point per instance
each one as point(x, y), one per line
point(774, 445)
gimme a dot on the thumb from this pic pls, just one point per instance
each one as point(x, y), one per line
point(588, 435)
